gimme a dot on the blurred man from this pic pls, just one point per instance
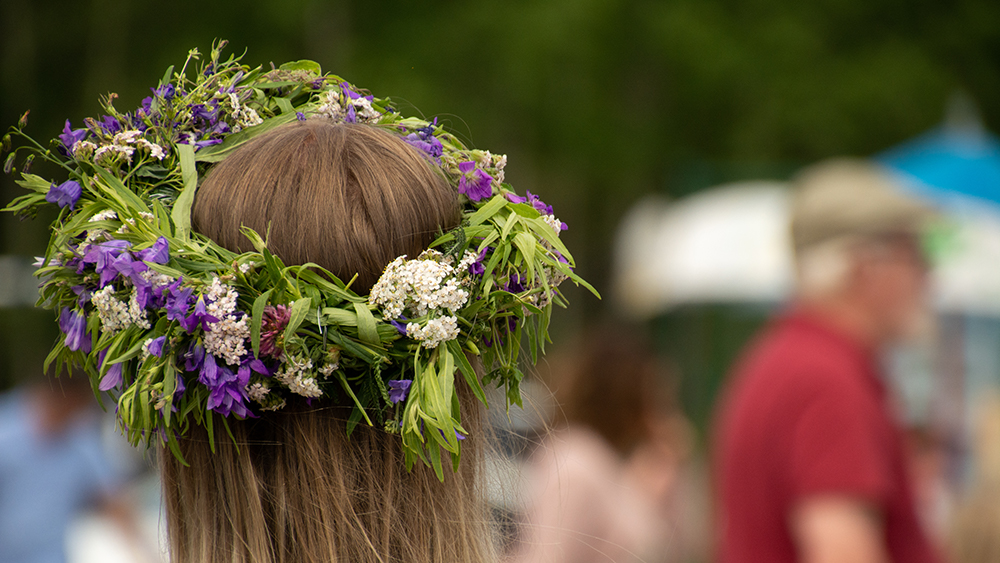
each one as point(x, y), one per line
point(810, 463)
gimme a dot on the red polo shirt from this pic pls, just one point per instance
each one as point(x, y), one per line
point(806, 414)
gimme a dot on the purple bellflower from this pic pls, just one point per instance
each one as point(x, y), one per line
point(178, 301)
point(74, 326)
point(159, 253)
point(155, 347)
point(193, 358)
point(65, 194)
point(477, 268)
point(399, 389)
point(113, 377)
point(400, 326)
point(71, 136)
point(198, 318)
point(226, 388)
point(102, 255)
point(474, 183)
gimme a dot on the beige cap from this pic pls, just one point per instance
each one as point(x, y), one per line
point(851, 196)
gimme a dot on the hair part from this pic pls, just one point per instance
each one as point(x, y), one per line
point(348, 197)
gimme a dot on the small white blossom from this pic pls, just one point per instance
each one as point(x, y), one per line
point(434, 331)
point(222, 299)
point(551, 221)
point(245, 267)
point(331, 106)
point(327, 370)
point(227, 339)
point(115, 314)
point(295, 373)
point(157, 279)
point(257, 391)
point(128, 221)
point(83, 149)
point(106, 215)
point(419, 286)
point(155, 151)
point(364, 111)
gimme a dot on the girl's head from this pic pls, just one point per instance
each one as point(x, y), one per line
point(348, 197)
point(292, 485)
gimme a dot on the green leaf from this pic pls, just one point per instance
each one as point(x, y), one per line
point(300, 309)
point(304, 64)
point(347, 388)
point(487, 211)
point(340, 316)
point(117, 190)
point(366, 325)
point(181, 213)
point(258, 315)
point(285, 105)
point(526, 244)
point(467, 371)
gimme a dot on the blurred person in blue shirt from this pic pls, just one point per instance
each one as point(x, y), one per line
point(52, 467)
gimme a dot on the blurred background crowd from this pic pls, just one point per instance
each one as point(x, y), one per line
point(664, 134)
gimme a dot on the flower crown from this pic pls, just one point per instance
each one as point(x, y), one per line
point(175, 327)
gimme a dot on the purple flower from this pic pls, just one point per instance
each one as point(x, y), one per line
point(82, 293)
point(399, 389)
point(400, 326)
point(300, 116)
point(102, 255)
point(159, 253)
point(477, 268)
point(539, 205)
point(65, 194)
point(123, 264)
point(74, 326)
point(199, 111)
point(514, 198)
point(198, 318)
point(71, 137)
point(178, 301)
point(110, 124)
point(514, 284)
point(351, 116)
point(113, 377)
point(155, 347)
point(474, 183)
point(226, 388)
point(194, 357)
point(165, 91)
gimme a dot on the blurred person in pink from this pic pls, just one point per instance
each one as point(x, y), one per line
point(602, 484)
point(810, 459)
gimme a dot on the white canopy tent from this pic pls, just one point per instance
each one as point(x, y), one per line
point(731, 244)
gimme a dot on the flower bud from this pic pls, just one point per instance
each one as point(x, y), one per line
point(24, 120)
point(9, 164)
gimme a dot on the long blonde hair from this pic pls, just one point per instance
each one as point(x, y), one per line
point(292, 486)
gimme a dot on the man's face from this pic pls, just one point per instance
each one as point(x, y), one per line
point(892, 282)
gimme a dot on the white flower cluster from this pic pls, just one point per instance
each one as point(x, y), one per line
point(257, 391)
point(427, 285)
point(496, 161)
point(434, 331)
point(156, 278)
point(364, 112)
point(331, 105)
point(262, 395)
point(106, 215)
point(122, 144)
point(245, 116)
point(116, 315)
point(295, 374)
point(145, 349)
point(420, 286)
point(83, 149)
point(551, 221)
point(226, 338)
